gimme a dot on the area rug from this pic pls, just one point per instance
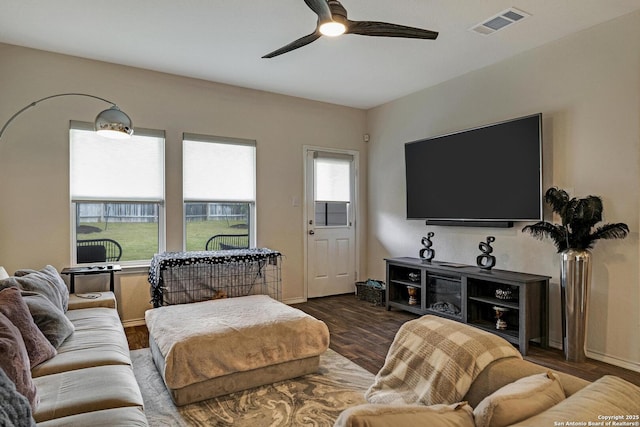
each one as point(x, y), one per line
point(311, 400)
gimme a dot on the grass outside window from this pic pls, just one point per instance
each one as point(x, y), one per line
point(139, 240)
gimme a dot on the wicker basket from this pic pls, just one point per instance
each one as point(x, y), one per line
point(366, 292)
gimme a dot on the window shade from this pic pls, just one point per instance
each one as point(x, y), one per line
point(218, 170)
point(118, 170)
point(332, 178)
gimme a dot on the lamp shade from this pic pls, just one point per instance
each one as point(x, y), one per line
point(114, 123)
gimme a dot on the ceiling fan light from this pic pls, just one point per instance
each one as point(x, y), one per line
point(332, 29)
point(114, 123)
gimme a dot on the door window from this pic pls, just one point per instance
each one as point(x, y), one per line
point(332, 189)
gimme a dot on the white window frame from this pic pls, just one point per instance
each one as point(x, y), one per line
point(161, 204)
point(252, 203)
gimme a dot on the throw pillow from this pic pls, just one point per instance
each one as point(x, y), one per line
point(15, 361)
point(609, 396)
point(519, 400)
point(7, 283)
point(49, 318)
point(3, 273)
point(374, 415)
point(15, 409)
point(50, 276)
point(33, 285)
point(15, 309)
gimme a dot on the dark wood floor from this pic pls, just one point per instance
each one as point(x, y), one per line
point(363, 333)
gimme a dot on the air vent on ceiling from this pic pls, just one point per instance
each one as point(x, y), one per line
point(499, 21)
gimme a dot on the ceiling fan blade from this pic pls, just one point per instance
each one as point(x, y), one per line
point(303, 41)
point(384, 29)
point(321, 8)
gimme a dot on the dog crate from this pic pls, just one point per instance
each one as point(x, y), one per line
point(186, 277)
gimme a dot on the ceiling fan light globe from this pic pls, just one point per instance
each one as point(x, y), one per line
point(332, 29)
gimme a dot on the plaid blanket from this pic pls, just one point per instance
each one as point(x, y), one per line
point(434, 360)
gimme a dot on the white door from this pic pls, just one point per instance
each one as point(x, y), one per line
point(330, 223)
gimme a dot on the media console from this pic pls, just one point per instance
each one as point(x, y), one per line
point(510, 304)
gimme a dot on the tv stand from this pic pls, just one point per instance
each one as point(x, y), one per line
point(471, 295)
point(462, 223)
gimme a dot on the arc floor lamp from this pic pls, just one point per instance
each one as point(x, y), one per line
point(112, 122)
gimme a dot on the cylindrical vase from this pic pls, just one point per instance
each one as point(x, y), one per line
point(575, 279)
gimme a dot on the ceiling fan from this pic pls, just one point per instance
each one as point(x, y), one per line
point(332, 21)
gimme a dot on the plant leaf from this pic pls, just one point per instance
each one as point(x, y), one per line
point(558, 199)
point(588, 212)
point(557, 233)
point(611, 231)
point(579, 216)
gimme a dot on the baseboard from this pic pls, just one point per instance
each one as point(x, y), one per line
point(294, 301)
point(611, 360)
point(555, 344)
point(133, 322)
point(601, 357)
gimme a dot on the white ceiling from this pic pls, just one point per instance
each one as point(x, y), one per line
point(223, 40)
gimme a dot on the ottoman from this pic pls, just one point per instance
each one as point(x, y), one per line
point(212, 348)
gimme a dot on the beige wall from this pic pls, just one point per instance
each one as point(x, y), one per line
point(34, 154)
point(588, 88)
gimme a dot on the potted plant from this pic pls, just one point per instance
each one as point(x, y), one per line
point(574, 237)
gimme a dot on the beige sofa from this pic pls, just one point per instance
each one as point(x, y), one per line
point(495, 399)
point(87, 377)
point(90, 381)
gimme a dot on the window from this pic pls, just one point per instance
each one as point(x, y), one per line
point(332, 189)
point(219, 190)
point(117, 195)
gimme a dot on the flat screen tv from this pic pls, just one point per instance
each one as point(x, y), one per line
point(486, 176)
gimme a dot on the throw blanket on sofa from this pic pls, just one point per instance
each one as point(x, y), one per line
point(434, 360)
point(15, 409)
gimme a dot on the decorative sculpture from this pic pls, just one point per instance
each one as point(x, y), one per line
point(486, 261)
point(427, 253)
point(501, 324)
point(413, 292)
